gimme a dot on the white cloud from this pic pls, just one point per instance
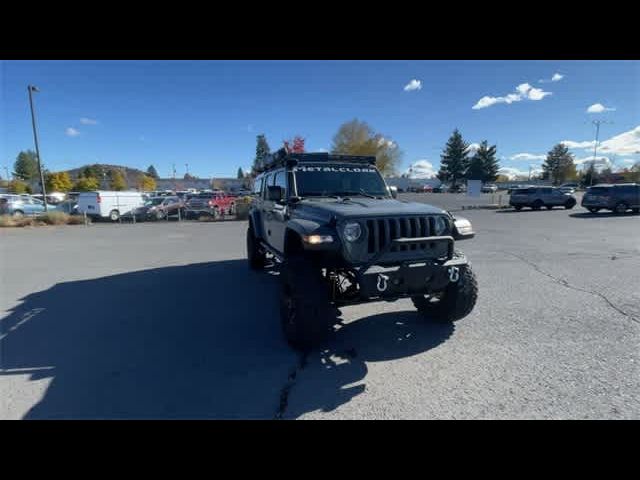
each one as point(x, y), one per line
point(583, 145)
point(555, 78)
point(626, 143)
point(599, 108)
point(514, 173)
point(600, 162)
point(421, 169)
point(71, 132)
point(473, 148)
point(524, 92)
point(88, 121)
point(413, 85)
point(527, 156)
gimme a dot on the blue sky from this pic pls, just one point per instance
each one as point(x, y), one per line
point(208, 113)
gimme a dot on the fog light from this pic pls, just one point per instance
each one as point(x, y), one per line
point(316, 239)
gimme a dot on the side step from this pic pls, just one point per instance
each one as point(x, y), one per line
point(277, 257)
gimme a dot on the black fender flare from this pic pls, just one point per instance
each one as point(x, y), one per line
point(254, 221)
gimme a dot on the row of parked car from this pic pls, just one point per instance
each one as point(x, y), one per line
point(618, 198)
point(112, 205)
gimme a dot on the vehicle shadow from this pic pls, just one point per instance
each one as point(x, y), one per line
point(602, 215)
point(329, 374)
point(195, 341)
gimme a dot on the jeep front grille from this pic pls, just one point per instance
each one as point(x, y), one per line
point(381, 231)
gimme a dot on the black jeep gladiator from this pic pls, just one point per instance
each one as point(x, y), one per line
point(341, 238)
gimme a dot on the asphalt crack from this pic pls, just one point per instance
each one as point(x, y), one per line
point(566, 284)
point(288, 386)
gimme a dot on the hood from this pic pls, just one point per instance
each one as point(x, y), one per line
point(359, 207)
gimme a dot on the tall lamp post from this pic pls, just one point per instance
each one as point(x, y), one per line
point(31, 89)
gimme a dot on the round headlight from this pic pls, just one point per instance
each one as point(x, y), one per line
point(442, 225)
point(352, 232)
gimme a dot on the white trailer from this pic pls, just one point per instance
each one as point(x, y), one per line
point(109, 204)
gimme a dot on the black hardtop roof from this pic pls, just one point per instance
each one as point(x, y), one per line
point(284, 158)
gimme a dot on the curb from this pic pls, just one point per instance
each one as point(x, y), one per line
point(484, 207)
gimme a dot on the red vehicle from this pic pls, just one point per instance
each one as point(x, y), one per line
point(213, 204)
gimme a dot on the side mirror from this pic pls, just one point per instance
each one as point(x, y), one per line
point(275, 193)
point(393, 191)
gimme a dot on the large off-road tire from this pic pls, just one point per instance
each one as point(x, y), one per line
point(254, 255)
point(114, 215)
point(456, 302)
point(306, 315)
point(569, 204)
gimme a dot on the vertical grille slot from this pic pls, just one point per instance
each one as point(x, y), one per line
point(370, 240)
point(382, 231)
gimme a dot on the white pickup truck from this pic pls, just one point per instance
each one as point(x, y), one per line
point(109, 204)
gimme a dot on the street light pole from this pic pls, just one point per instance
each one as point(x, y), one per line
point(595, 146)
point(32, 88)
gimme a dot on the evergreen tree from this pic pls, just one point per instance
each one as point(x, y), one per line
point(262, 150)
point(559, 165)
point(484, 164)
point(26, 166)
point(94, 171)
point(454, 160)
point(240, 173)
point(152, 172)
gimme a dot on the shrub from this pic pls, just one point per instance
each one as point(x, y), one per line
point(49, 218)
point(54, 218)
point(9, 221)
point(75, 220)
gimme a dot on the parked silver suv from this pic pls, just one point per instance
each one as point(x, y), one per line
point(538, 197)
point(617, 198)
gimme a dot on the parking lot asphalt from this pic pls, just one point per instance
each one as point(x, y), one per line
point(165, 320)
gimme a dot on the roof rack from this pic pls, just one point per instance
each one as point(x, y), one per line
point(284, 158)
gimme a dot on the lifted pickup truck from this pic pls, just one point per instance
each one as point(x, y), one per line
point(342, 238)
point(209, 204)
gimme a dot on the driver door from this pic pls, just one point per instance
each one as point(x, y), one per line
point(275, 213)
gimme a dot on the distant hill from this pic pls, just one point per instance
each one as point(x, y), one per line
point(131, 174)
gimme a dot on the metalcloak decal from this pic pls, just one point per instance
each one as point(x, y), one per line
point(312, 168)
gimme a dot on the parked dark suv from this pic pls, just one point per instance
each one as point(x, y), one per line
point(343, 239)
point(538, 197)
point(617, 198)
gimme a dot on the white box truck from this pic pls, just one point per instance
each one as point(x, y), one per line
point(108, 204)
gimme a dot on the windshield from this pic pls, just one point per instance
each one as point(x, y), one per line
point(338, 180)
point(154, 201)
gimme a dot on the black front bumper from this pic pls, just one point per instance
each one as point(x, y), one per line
point(412, 277)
